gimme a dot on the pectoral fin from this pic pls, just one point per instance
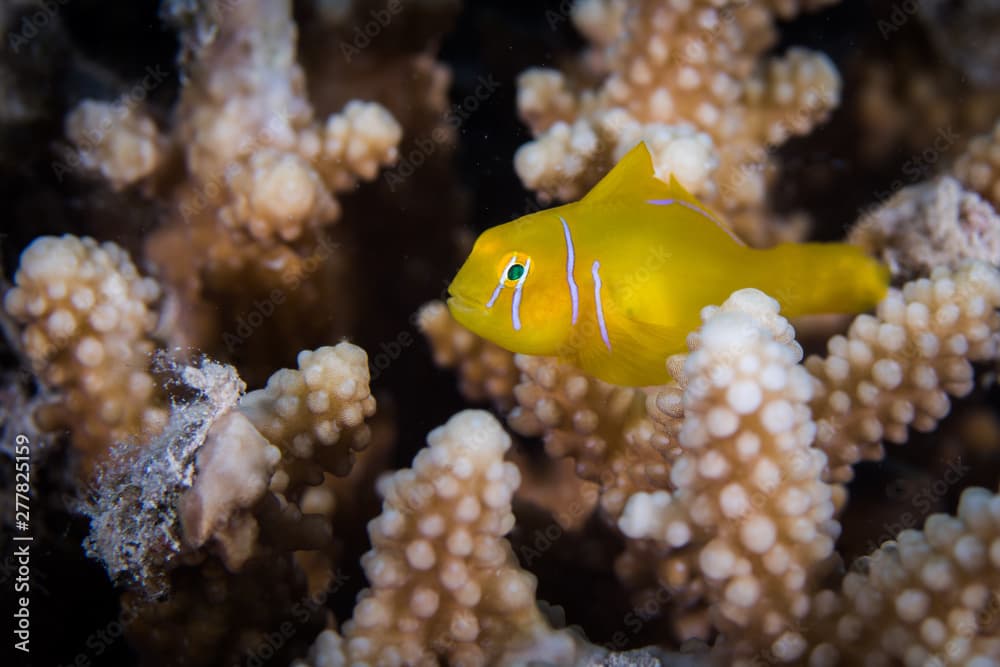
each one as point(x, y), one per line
point(638, 354)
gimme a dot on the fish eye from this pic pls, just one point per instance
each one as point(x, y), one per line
point(515, 271)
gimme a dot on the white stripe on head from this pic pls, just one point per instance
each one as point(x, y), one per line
point(574, 294)
point(496, 293)
point(500, 283)
point(600, 308)
point(515, 304)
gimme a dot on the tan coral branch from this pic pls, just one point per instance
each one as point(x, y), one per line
point(88, 319)
point(895, 370)
point(445, 584)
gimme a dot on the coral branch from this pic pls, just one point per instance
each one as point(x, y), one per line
point(748, 498)
point(928, 597)
point(316, 414)
point(485, 370)
point(930, 225)
point(445, 583)
point(896, 369)
point(88, 322)
point(689, 78)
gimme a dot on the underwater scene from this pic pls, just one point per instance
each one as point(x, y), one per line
point(479, 332)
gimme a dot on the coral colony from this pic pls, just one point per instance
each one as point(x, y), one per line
point(213, 360)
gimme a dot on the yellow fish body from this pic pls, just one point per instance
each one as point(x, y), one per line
point(614, 282)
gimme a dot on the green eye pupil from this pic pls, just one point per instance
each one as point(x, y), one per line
point(515, 272)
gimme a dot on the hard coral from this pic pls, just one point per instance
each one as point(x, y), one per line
point(136, 504)
point(250, 203)
point(118, 140)
point(690, 79)
point(486, 371)
point(248, 127)
point(979, 166)
point(896, 369)
point(445, 583)
point(929, 225)
point(734, 511)
point(316, 413)
point(926, 597)
point(748, 504)
point(601, 427)
point(88, 318)
point(234, 468)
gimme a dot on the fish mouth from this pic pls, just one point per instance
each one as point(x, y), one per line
point(464, 310)
point(459, 305)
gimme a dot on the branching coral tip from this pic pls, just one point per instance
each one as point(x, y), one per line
point(614, 282)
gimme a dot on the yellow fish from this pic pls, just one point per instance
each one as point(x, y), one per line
point(614, 283)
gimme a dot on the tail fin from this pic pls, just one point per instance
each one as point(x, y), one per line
point(812, 278)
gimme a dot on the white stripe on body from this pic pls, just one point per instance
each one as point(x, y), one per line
point(574, 293)
point(599, 307)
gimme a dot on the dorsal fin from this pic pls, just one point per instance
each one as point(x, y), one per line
point(677, 191)
point(632, 178)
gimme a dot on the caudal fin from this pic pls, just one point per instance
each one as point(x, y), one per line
point(813, 278)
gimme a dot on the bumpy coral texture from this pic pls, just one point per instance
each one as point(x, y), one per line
point(926, 598)
point(88, 318)
point(118, 140)
point(445, 584)
point(689, 78)
point(890, 371)
point(486, 371)
point(601, 427)
point(930, 225)
point(979, 166)
point(249, 129)
point(896, 369)
point(252, 147)
point(748, 497)
point(315, 414)
point(249, 204)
